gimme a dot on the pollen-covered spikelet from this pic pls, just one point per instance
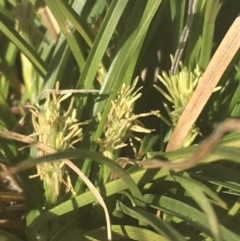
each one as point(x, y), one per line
point(122, 122)
point(60, 131)
point(180, 88)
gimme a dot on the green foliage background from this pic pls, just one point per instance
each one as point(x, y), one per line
point(103, 45)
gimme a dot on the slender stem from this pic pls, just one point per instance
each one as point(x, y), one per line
point(184, 37)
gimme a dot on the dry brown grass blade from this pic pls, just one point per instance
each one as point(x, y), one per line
point(12, 197)
point(204, 149)
point(228, 48)
point(48, 19)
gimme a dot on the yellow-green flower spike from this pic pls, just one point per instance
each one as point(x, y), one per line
point(122, 122)
point(60, 131)
point(180, 88)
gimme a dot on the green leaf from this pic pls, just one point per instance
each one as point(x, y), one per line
point(220, 176)
point(79, 24)
point(158, 224)
point(210, 15)
point(197, 192)
point(187, 213)
point(61, 16)
point(120, 232)
point(23, 46)
point(147, 143)
point(101, 42)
